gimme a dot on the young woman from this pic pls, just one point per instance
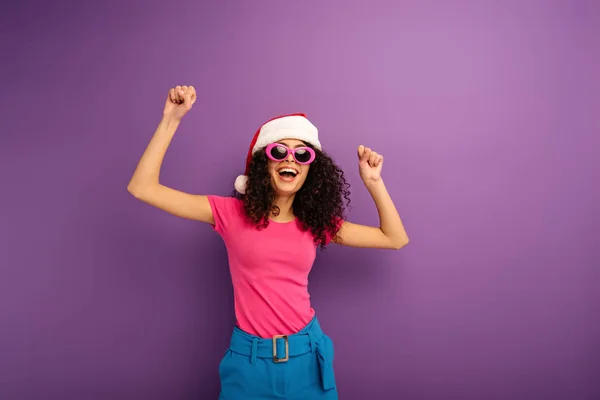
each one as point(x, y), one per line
point(290, 201)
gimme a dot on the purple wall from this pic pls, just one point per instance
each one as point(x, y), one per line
point(482, 109)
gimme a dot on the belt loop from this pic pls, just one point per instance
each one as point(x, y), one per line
point(254, 351)
point(312, 342)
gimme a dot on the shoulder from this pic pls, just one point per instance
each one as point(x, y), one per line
point(332, 233)
point(227, 202)
point(227, 211)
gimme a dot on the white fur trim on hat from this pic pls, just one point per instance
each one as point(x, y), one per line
point(290, 127)
point(240, 183)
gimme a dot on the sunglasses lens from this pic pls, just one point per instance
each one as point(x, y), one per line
point(302, 155)
point(279, 152)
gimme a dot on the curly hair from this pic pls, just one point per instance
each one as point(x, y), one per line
point(319, 205)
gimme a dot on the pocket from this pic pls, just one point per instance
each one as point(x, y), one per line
point(223, 363)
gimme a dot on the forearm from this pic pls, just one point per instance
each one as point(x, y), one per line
point(147, 172)
point(389, 219)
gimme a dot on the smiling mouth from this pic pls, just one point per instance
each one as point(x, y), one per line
point(287, 173)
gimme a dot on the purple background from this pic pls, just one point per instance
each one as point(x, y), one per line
point(483, 111)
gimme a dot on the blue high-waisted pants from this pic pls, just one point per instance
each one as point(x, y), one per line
point(251, 369)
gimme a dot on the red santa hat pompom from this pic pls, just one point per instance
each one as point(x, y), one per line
point(292, 126)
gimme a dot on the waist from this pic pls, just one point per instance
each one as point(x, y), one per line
point(278, 347)
point(265, 313)
point(282, 348)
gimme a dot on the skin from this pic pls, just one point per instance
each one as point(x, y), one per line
point(145, 184)
point(285, 191)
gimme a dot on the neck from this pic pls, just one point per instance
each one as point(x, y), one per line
point(285, 208)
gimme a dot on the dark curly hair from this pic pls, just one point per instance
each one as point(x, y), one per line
point(318, 205)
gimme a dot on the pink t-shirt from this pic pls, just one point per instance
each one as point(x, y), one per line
point(269, 270)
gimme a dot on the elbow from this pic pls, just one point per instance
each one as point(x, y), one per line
point(397, 245)
point(134, 190)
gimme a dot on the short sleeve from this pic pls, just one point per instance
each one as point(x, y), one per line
point(338, 224)
point(227, 212)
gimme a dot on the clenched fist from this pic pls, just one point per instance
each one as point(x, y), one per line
point(369, 164)
point(179, 101)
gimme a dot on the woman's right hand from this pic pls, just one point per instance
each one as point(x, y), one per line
point(179, 101)
point(145, 183)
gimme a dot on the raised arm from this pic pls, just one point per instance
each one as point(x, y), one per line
point(390, 234)
point(145, 183)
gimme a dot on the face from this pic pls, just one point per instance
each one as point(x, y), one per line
point(288, 175)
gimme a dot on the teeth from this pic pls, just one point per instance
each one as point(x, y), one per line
point(288, 170)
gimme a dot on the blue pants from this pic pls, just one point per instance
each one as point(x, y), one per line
point(294, 367)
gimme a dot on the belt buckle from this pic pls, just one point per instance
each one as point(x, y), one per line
point(287, 349)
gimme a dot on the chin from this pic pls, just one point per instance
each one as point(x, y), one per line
point(285, 190)
point(282, 188)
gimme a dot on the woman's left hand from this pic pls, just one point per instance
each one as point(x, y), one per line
point(369, 164)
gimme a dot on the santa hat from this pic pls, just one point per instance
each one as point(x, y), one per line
point(292, 126)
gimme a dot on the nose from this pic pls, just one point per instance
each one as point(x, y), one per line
point(290, 158)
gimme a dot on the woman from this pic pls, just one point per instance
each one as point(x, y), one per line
point(289, 202)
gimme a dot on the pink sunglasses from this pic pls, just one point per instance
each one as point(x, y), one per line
point(278, 152)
